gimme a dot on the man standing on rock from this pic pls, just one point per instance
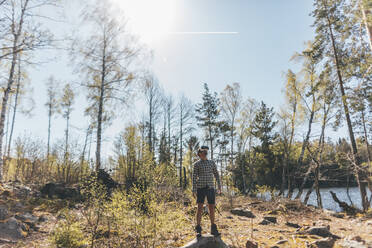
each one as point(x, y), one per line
point(203, 186)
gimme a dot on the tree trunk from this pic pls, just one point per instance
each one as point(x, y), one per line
point(181, 132)
point(15, 105)
point(82, 160)
point(291, 175)
point(366, 138)
point(242, 162)
point(5, 104)
point(49, 128)
point(67, 163)
point(185, 178)
point(211, 141)
point(100, 109)
point(232, 142)
point(359, 175)
point(304, 144)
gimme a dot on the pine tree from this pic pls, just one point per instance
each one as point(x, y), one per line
point(333, 25)
point(207, 116)
point(263, 130)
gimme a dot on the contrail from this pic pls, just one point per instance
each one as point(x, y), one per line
point(203, 32)
point(185, 33)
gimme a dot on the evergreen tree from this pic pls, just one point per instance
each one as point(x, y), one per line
point(263, 130)
point(207, 114)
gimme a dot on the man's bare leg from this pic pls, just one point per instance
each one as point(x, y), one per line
point(211, 213)
point(199, 213)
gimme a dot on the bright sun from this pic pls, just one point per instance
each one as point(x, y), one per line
point(152, 20)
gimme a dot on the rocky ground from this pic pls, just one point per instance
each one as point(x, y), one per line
point(26, 220)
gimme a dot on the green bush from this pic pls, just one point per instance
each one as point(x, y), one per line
point(68, 233)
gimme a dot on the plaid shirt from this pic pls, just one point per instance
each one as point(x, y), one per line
point(203, 173)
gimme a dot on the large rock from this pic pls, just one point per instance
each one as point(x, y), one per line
point(59, 190)
point(322, 231)
point(294, 225)
point(323, 243)
point(272, 219)
point(265, 222)
point(28, 219)
point(206, 241)
point(251, 244)
point(242, 212)
point(12, 229)
point(4, 213)
point(21, 191)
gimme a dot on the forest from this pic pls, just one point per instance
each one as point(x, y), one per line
point(286, 152)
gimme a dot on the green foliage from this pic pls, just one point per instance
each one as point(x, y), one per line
point(265, 159)
point(68, 233)
point(207, 114)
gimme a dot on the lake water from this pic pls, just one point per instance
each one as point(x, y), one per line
point(327, 200)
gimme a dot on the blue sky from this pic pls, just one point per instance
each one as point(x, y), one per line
point(268, 33)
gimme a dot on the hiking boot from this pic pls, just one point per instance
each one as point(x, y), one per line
point(198, 230)
point(214, 230)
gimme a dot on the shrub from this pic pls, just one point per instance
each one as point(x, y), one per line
point(68, 233)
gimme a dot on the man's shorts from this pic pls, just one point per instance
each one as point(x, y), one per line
point(210, 193)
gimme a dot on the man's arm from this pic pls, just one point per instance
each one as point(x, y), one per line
point(195, 175)
point(216, 175)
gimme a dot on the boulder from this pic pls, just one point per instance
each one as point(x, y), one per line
point(59, 190)
point(4, 213)
point(26, 217)
point(251, 244)
point(323, 243)
point(294, 225)
point(242, 212)
point(265, 222)
point(206, 241)
point(322, 231)
point(272, 219)
point(12, 229)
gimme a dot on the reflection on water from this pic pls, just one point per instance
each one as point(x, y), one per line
point(327, 200)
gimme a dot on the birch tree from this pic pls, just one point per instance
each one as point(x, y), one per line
point(52, 105)
point(104, 57)
point(309, 93)
point(66, 102)
point(154, 98)
point(23, 33)
point(230, 104)
point(186, 114)
point(245, 136)
point(292, 100)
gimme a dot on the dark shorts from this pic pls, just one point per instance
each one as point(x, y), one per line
point(210, 193)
